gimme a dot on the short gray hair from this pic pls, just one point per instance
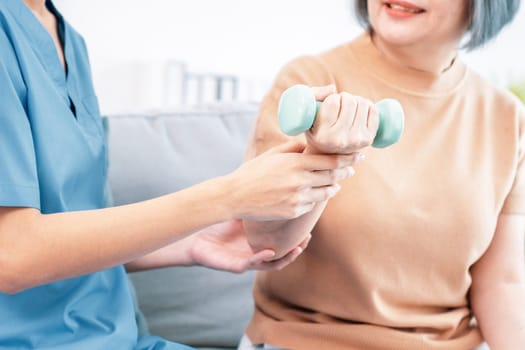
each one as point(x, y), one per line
point(486, 17)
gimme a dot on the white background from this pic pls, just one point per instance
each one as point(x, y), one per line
point(130, 40)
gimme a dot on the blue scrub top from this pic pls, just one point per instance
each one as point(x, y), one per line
point(53, 158)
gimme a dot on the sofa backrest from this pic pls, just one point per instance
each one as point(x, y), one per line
point(152, 155)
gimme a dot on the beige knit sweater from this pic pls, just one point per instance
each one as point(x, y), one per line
point(388, 265)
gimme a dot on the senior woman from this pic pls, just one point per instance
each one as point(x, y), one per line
point(423, 248)
point(62, 281)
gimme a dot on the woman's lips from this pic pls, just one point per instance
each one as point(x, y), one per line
point(402, 9)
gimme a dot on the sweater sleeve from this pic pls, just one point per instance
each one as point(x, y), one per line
point(515, 201)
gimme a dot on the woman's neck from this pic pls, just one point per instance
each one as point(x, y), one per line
point(425, 58)
point(49, 21)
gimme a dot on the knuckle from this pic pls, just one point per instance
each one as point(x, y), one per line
point(332, 101)
point(364, 102)
point(299, 163)
point(365, 141)
point(373, 108)
point(300, 183)
point(339, 143)
point(333, 176)
point(296, 211)
point(295, 200)
point(330, 144)
point(347, 95)
point(350, 102)
point(348, 147)
point(359, 99)
point(342, 161)
point(322, 195)
point(292, 161)
point(358, 140)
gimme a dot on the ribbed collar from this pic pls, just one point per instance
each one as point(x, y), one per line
point(403, 78)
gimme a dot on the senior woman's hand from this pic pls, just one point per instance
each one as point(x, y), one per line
point(345, 124)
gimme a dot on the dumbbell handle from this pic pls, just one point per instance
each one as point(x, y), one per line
point(298, 108)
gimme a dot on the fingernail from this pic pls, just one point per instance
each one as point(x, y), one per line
point(344, 173)
point(334, 189)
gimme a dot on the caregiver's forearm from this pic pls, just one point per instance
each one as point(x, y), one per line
point(38, 249)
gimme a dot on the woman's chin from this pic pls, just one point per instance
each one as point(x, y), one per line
point(398, 37)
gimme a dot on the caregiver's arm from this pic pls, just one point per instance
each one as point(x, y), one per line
point(221, 246)
point(498, 286)
point(36, 249)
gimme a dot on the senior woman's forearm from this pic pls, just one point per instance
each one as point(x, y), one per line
point(282, 235)
point(500, 312)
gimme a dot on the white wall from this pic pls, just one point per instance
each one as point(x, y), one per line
point(129, 40)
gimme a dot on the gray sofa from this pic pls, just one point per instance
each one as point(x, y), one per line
point(152, 155)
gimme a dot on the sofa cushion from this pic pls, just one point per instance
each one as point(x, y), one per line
point(152, 155)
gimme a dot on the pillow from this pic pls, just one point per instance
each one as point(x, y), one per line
point(152, 155)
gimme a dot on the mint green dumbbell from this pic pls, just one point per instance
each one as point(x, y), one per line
point(298, 108)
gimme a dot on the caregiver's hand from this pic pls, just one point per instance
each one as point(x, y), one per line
point(284, 183)
point(344, 124)
point(224, 247)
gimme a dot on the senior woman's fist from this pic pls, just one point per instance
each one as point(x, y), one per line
point(345, 124)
